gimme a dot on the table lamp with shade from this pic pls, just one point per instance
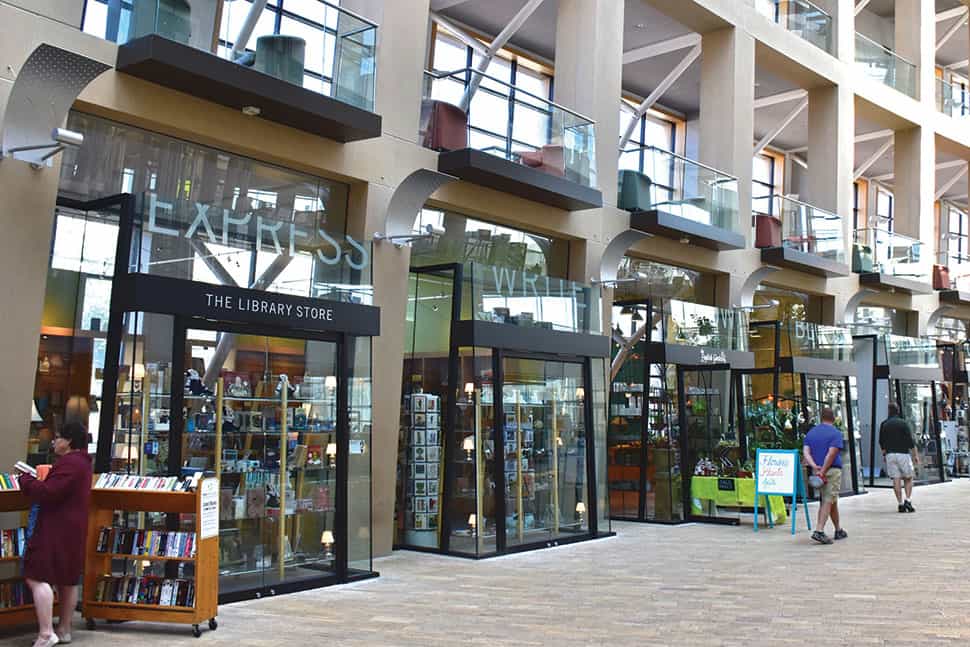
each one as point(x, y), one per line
point(326, 540)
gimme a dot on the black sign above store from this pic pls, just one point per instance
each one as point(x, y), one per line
point(166, 295)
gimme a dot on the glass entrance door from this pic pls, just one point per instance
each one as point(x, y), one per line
point(544, 435)
point(916, 405)
point(710, 438)
point(832, 392)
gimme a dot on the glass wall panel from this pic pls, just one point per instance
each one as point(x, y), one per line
point(472, 507)
point(625, 441)
point(274, 444)
point(422, 445)
point(361, 416)
point(600, 396)
point(664, 486)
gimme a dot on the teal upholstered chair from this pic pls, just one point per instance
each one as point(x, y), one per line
point(281, 56)
point(861, 259)
point(633, 191)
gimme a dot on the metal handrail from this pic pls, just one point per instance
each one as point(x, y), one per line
point(680, 157)
point(809, 3)
point(891, 233)
point(834, 216)
point(886, 49)
point(444, 75)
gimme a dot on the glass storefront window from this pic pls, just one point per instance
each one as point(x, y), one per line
point(659, 280)
point(917, 409)
point(456, 238)
point(693, 324)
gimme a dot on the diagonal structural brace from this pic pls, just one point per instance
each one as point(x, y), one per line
point(658, 92)
point(784, 123)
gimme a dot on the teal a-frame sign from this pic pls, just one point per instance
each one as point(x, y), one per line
point(779, 472)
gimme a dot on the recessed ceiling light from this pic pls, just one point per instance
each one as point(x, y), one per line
point(251, 111)
point(640, 25)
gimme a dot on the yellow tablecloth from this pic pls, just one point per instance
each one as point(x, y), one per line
point(704, 488)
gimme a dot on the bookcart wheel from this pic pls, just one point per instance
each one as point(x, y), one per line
point(213, 625)
point(196, 631)
point(89, 623)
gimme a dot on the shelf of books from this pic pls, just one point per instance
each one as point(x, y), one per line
point(142, 571)
point(16, 607)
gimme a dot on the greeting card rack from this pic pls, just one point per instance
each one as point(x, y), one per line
point(13, 615)
point(102, 566)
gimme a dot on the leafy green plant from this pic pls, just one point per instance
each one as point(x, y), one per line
point(772, 427)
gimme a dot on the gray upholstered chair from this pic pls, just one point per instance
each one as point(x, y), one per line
point(281, 56)
point(633, 191)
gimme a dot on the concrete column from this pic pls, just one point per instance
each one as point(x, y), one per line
point(589, 54)
point(28, 215)
point(843, 27)
point(401, 59)
point(915, 40)
point(831, 129)
point(915, 181)
point(727, 110)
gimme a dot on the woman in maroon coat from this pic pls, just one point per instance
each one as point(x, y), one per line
point(55, 551)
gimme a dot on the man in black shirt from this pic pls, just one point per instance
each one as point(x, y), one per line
point(899, 455)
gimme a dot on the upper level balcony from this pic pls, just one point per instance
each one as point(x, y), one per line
point(803, 18)
point(889, 260)
point(800, 236)
point(952, 276)
point(669, 195)
point(951, 99)
point(542, 151)
point(881, 64)
point(314, 71)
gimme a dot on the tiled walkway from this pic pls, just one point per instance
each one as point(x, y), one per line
point(898, 580)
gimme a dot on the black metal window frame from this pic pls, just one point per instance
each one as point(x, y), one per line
point(767, 186)
point(512, 102)
point(640, 142)
point(961, 234)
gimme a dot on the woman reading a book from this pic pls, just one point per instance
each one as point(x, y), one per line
point(55, 550)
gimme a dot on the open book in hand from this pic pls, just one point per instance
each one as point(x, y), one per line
point(21, 466)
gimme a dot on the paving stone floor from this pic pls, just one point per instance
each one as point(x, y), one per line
point(898, 580)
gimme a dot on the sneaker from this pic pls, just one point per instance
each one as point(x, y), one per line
point(839, 534)
point(63, 639)
point(909, 506)
point(902, 507)
point(821, 537)
point(50, 641)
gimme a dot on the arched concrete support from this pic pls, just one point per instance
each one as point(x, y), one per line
point(936, 315)
point(408, 199)
point(613, 254)
point(47, 85)
point(848, 313)
point(746, 295)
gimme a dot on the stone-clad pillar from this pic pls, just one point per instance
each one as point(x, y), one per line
point(915, 24)
point(914, 170)
point(727, 110)
point(831, 131)
point(589, 56)
point(401, 60)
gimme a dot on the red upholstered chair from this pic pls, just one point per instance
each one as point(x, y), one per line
point(444, 126)
point(941, 277)
point(548, 159)
point(767, 231)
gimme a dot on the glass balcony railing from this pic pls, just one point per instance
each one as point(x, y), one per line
point(803, 19)
point(804, 228)
point(885, 66)
point(516, 297)
point(879, 250)
point(692, 324)
point(467, 108)
point(323, 48)
point(912, 351)
point(681, 187)
point(951, 99)
point(804, 339)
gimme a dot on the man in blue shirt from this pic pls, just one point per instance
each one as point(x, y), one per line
point(823, 454)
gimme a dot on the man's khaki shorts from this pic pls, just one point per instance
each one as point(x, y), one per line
point(833, 485)
point(899, 466)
